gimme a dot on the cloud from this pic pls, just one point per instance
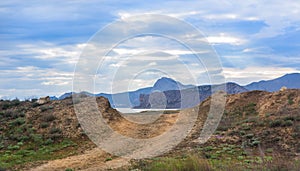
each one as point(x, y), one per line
point(224, 39)
point(31, 80)
point(42, 41)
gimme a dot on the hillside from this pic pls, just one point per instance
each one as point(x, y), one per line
point(257, 128)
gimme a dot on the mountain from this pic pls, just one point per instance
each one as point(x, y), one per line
point(177, 95)
point(65, 95)
point(53, 98)
point(132, 98)
point(165, 84)
point(185, 98)
point(289, 80)
point(189, 95)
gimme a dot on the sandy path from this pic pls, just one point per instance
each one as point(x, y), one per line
point(95, 159)
point(92, 160)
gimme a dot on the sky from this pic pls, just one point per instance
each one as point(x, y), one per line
point(42, 42)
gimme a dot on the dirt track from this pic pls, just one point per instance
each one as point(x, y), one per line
point(96, 159)
point(92, 160)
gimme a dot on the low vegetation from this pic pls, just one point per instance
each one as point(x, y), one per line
point(258, 131)
point(195, 162)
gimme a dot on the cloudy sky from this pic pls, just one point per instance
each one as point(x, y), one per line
point(41, 43)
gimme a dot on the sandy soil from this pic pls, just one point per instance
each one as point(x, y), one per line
point(91, 160)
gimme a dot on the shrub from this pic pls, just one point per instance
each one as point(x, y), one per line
point(34, 100)
point(17, 122)
point(287, 123)
point(192, 162)
point(48, 141)
point(242, 132)
point(48, 117)
point(8, 114)
point(55, 136)
point(250, 108)
point(44, 108)
point(35, 104)
point(255, 143)
point(21, 114)
point(55, 130)
point(15, 102)
point(275, 123)
point(108, 159)
point(37, 138)
point(170, 111)
point(292, 118)
point(249, 136)
point(223, 127)
point(24, 138)
point(44, 125)
point(290, 99)
point(5, 106)
point(15, 147)
point(269, 150)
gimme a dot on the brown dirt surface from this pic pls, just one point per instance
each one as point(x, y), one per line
point(272, 118)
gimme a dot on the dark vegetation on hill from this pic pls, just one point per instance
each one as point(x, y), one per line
point(258, 130)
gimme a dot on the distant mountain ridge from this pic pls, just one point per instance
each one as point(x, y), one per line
point(165, 84)
point(173, 90)
point(289, 80)
point(186, 98)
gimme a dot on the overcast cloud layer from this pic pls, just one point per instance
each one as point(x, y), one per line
point(42, 41)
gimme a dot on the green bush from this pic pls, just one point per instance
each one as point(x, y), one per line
point(170, 111)
point(55, 130)
point(192, 162)
point(43, 108)
point(8, 114)
point(37, 138)
point(292, 118)
point(48, 141)
point(34, 100)
point(15, 102)
point(13, 147)
point(17, 122)
point(108, 159)
point(35, 104)
point(275, 123)
point(249, 136)
point(24, 138)
point(290, 99)
point(242, 132)
point(250, 108)
point(255, 143)
point(287, 123)
point(5, 106)
point(44, 125)
point(55, 136)
point(48, 117)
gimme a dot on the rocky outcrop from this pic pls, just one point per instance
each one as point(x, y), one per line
point(43, 100)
